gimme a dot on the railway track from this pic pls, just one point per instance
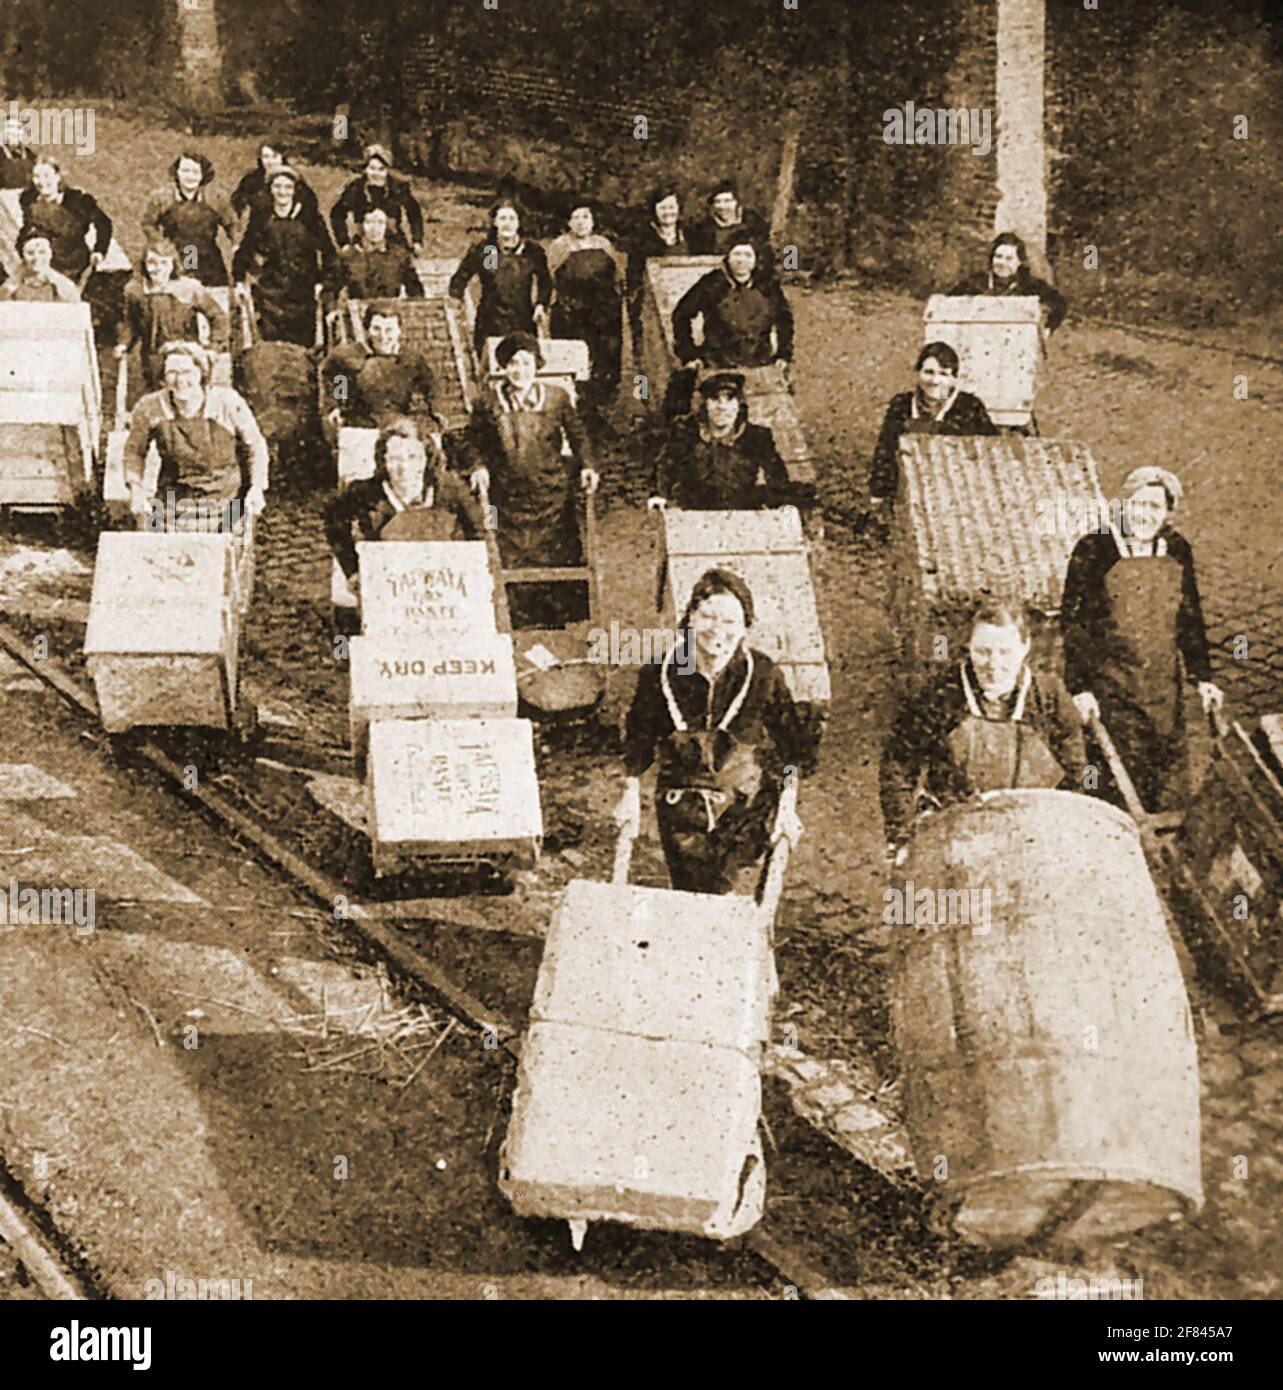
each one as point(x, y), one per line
point(230, 803)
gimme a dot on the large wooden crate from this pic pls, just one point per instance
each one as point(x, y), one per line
point(164, 628)
point(998, 341)
point(412, 588)
point(767, 550)
point(453, 790)
point(1227, 868)
point(609, 1126)
point(450, 675)
point(985, 517)
point(771, 403)
point(50, 403)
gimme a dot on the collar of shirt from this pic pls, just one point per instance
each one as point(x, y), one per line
point(530, 399)
point(919, 406)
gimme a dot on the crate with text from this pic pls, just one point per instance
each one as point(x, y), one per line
point(452, 790)
point(414, 587)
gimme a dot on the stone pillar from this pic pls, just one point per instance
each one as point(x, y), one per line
point(1021, 143)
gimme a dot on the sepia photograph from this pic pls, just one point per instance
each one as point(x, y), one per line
point(641, 660)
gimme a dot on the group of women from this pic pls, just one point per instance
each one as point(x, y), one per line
point(716, 713)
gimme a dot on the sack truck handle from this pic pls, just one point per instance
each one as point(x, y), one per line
point(1120, 774)
point(623, 855)
point(122, 390)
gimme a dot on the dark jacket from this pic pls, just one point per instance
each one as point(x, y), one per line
point(67, 224)
point(375, 387)
point(395, 198)
point(381, 274)
point(1091, 642)
point(16, 166)
point(699, 473)
point(737, 321)
point(1022, 282)
point(362, 509)
point(252, 195)
point(285, 253)
point(708, 239)
point(193, 225)
point(918, 743)
point(507, 303)
point(769, 718)
point(647, 244)
point(966, 416)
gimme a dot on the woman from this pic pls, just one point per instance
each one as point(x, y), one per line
point(514, 446)
point(730, 742)
point(663, 235)
point(727, 224)
point(747, 319)
point(161, 308)
point(254, 192)
point(290, 262)
point(715, 459)
point(184, 214)
point(1133, 627)
point(66, 215)
point(586, 276)
point(36, 281)
point(515, 285)
point(372, 267)
point(936, 406)
point(411, 492)
point(1009, 273)
point(985, 723)
point(213, 457)
point(377, 187)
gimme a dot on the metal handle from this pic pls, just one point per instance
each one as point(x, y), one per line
point(623, 855)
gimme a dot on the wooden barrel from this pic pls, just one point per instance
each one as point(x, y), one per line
point(1049, 1067)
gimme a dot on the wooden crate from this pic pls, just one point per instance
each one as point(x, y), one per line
point(984, 517)
point(163, 633)
point(356, 462)
point(607, 1126)
point(457, 675)
point(50, 402)
point(411, 588)
point(453, 789)
point(998, 340)
point(684, 967)
point(1228, 874)
point(766, 549)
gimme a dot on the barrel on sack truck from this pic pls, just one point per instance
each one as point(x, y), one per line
point(1050, 1070)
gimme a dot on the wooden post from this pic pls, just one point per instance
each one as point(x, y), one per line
point(1021, 142)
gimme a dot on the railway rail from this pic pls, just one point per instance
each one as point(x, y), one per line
point(375, 923)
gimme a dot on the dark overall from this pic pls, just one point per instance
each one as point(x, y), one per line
point(996, 754)
point(713, 804)
point(1139, 687)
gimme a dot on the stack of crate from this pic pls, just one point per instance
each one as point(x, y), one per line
point(450, 769)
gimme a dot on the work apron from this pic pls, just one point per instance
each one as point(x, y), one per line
point(1138, 687)
point(996, 754)
point(712, 804)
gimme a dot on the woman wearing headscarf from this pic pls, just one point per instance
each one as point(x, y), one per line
point(254, 192)
point(377, 187)
point(162, 307)
point(663, 235)
point(1134, 634)
point(935, 406)
point(717, 460)
point(730, 742)
point(587, 279)
point(514, 450)
point(184, 214)
point(516, 287)
point(66, 215)
point(1009, 274)
point(290, 260)
point(984, 723)
point(412, 493)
